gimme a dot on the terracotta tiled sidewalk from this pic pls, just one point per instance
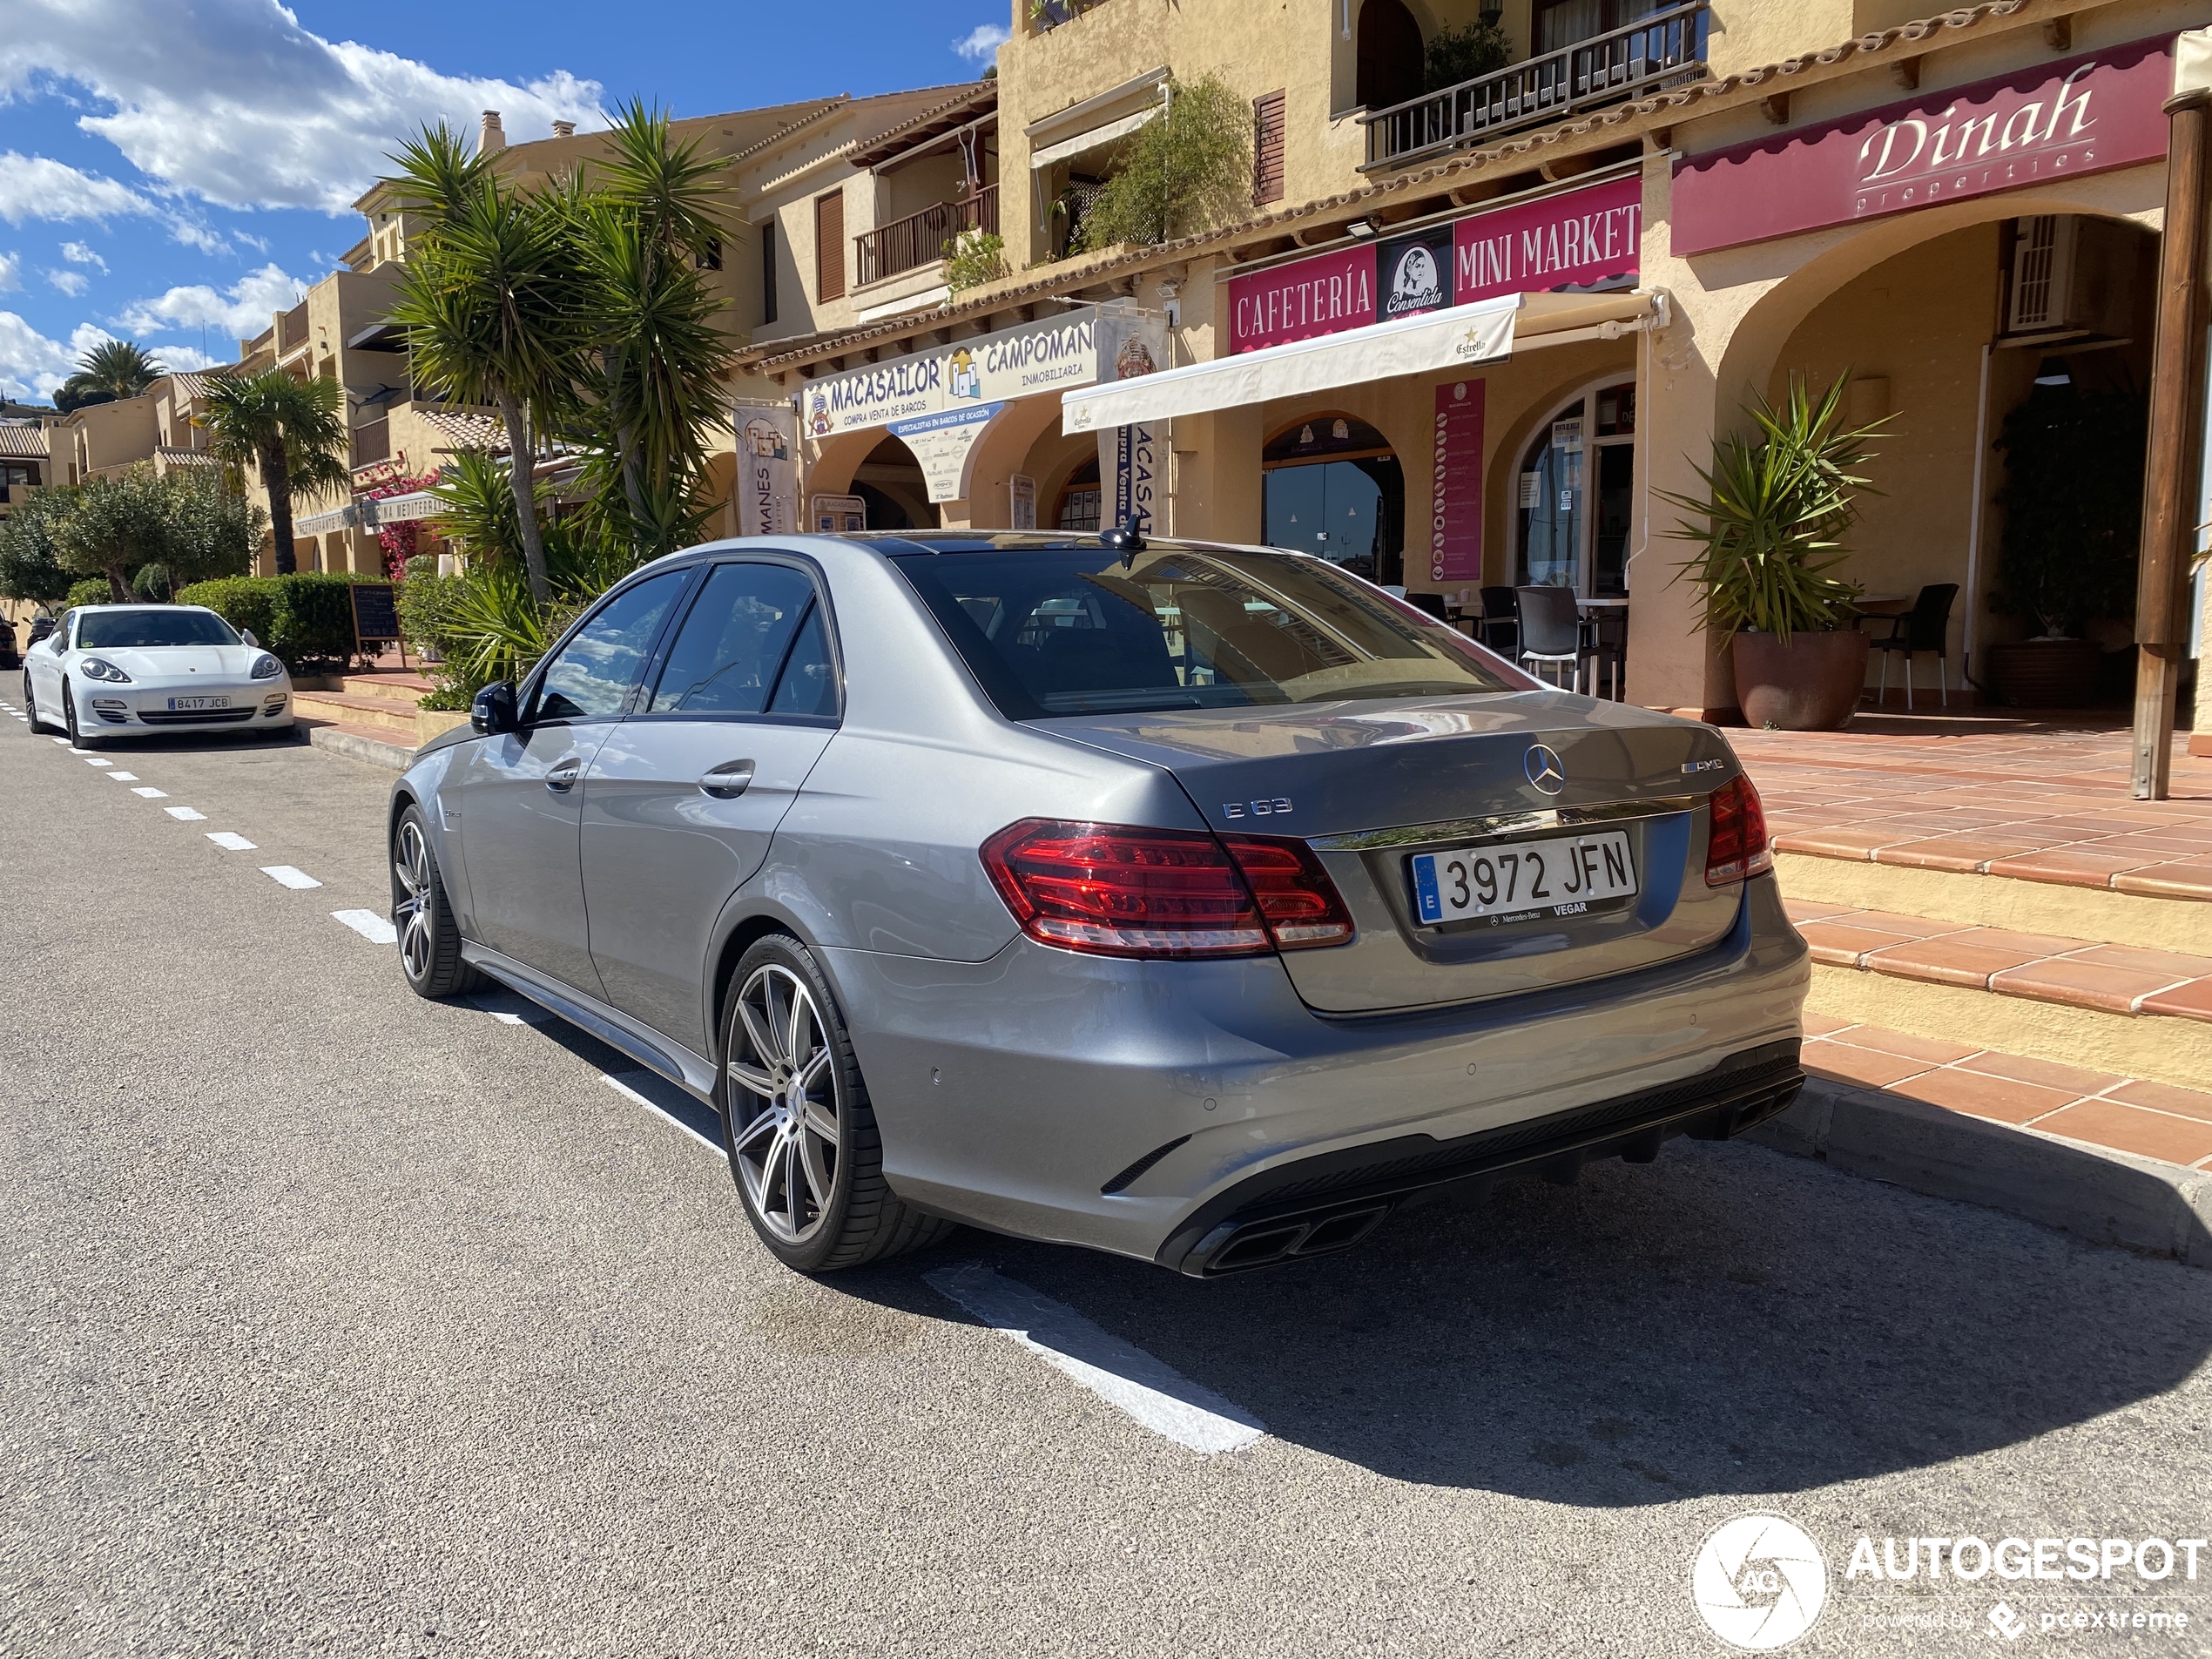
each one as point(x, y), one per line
point(2041, 798)
point(2119, 979)
point(2101, 1109)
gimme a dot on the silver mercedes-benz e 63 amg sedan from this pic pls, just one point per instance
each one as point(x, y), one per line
point(1194, 902)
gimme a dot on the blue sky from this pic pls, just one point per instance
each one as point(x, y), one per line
point(173, 171)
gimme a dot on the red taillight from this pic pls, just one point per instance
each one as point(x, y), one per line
point(1737, 846)
point(1115, 891)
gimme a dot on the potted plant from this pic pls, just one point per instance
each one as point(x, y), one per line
point(2073, 506)
point(1769, 530)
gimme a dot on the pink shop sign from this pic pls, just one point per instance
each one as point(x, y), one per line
point(2085, 114)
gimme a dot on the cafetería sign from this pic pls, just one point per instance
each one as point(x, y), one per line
point(1576, 239)
point(1080, 349)
point(2084, 114)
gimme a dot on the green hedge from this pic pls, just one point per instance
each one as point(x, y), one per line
point(301, 619)
point(93, 591)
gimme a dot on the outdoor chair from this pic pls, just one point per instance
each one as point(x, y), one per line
point(1925, 627)
point(1499, 628)
point(1551, 631)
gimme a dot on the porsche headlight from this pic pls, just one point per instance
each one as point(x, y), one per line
point(98, 668)
point(266, 667)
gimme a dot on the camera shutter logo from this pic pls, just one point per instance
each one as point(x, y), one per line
point(1759, 1583)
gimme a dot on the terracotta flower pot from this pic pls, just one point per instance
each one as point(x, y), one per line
point(2045, 673)
point(1812, 683)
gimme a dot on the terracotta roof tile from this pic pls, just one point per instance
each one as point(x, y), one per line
point(24, 442)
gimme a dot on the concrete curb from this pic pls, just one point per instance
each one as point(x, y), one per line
point(394, 756)
point(2107, 1197)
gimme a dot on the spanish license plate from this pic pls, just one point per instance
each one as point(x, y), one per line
point(1523, 880)
point(186, 704)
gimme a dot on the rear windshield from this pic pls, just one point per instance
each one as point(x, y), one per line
point(1074, 630)
point(118, 629)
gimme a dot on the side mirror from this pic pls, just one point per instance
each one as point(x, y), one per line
point(493, 711)
point(246, 635)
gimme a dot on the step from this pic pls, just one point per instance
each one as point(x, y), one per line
point(2072, 1000)
point(377, 745)
point(2110, 1110)
point(346, 708)
point(398, 684)
point(2151, 921)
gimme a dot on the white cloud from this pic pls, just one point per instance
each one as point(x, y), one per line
point(10, 273)
point(40, 187)
point(982, 42)
point(232, 101)
point(32, 365)
point(242, 311)
point(71, 283)
point(78, 253)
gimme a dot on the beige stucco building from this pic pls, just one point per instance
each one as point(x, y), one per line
point(1719, 196)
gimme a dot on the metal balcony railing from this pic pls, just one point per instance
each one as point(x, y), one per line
point(920, 238)
point(1664, 48)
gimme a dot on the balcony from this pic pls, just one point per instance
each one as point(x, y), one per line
point(1665, 49)
point(372, 443)
point(920, 238)
point(292, 330)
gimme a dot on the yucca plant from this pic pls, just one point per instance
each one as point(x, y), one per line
point(1770, 525)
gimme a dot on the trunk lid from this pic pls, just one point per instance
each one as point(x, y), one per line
point(1371, 785)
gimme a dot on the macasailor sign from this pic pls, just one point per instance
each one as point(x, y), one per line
point(1575, 239)
point(2085, 114)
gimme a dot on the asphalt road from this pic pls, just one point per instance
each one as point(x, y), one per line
point(337, 1322)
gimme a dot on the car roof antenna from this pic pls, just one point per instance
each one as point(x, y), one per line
point(1127, 538)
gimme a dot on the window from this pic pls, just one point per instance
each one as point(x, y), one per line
point(808, 682)
point(829, 246)
point(712, 258)
point(1567, 539)
point(1075, 630)
point(741, 639)
point(1079, 499)
point(592, 676)
point(767, 271)
point(1564, 23)
point(170, 625)
point(1331, 487)
point(1267, 149)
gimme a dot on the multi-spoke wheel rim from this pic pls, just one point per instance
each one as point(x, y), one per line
point(787, 1136)
point(411, 912)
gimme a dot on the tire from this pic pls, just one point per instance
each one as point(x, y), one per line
point(817, 1198)
point(31, 704)
point(429, 941)
point(68, 722)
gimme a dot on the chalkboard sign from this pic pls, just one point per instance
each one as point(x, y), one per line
point(376, 616)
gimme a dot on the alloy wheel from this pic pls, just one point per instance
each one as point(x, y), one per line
point(787, 1136)
point(411, 865)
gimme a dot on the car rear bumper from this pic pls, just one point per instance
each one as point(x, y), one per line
point(1140, 1107)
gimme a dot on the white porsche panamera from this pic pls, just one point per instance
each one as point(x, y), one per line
point(135, 670)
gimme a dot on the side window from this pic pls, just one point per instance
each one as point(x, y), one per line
point(736, 636)
point(808, 683)
point(592, 674)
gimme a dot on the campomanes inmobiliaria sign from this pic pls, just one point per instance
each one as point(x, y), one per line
point(1576, 239)
point(2084, 114)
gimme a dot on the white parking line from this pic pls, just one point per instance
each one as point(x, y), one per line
point(1155, 1393)
point(65, 743)
point(368, 925)
point(95, 760)
point(121, 776)
point(230, 841)
point(185, 814)
point(152, 794)
point(285, 875)
point(624, 1089)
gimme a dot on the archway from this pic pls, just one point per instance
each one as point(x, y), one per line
point(1574, 493)
point(890, 481)
point(1333, 486)
point(1390, 55)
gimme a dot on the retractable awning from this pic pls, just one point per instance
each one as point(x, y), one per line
point(1464, 336)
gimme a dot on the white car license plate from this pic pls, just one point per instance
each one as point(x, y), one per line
point(185, 704)
point(1523, 880)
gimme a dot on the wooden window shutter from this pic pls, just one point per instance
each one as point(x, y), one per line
point(1267, 148)
point(829, 246)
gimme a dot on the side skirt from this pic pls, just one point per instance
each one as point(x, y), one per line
point(648, 1048)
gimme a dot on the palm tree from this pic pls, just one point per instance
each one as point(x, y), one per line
point(489, 301)
point(108, 372)
point(293, 432)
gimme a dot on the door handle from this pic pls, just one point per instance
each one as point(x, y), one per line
point(727, 781)
point(563, 774)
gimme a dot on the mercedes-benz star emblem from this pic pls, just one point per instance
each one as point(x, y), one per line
point(1545, 769)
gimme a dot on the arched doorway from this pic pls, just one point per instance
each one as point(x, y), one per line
point(890, 483)
point(1077, 507)
point(1334, 487)
point(1390, 55)
point(1574, 495)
